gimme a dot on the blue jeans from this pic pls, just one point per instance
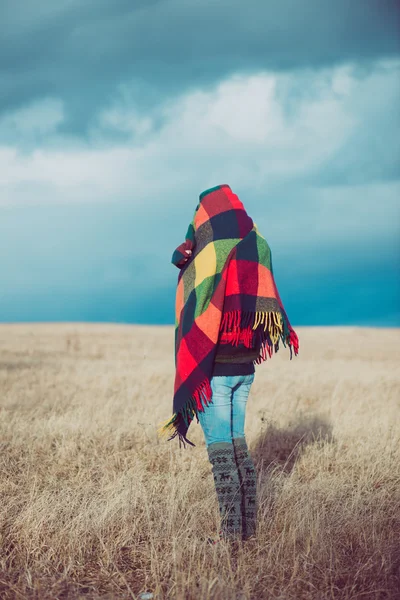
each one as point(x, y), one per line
point(224, 418)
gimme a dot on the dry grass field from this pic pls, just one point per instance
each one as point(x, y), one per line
point(94, 505)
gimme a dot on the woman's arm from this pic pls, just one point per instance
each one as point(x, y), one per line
point(183, 252)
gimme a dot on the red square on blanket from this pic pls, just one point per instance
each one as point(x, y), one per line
point(232, 285)
point(198, 344)
point(219, 293)
point(186, 361)
point(247, 273)
point(216, 203)
point(234, 200)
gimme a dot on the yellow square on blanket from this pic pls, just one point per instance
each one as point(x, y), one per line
point(205, 264)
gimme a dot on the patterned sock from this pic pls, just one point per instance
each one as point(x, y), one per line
point(248, 476)
point(227, 485)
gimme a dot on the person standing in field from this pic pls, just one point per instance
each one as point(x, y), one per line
point(229, 317)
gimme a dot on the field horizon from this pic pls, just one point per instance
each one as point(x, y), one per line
point(94, 505)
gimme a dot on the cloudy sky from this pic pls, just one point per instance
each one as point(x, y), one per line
point(115, 116)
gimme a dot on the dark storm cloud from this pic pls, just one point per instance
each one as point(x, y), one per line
point(79, 51)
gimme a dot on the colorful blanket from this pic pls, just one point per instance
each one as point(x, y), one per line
point(226, 286)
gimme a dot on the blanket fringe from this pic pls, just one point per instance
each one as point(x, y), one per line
point(272, 326)
point(235, 323)
point(202, 396)
point(238, 327)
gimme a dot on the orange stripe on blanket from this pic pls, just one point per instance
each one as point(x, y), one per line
point(209, 322)
point(201, 217)
point(266, 285)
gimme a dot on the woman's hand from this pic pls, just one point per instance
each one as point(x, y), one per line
point(182, 254)
point(189, 253)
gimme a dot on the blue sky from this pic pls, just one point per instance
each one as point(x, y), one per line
point(114, 116)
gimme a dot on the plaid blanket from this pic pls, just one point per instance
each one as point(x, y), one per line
point(226, 288)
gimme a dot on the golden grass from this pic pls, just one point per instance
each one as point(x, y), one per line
point(93, 505)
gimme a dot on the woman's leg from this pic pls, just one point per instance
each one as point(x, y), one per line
point(246, 469)
point(216, 422)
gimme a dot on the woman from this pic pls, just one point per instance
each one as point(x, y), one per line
point(229, 315)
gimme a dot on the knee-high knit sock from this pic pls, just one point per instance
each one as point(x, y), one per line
point(228, 487)
point(248, 476)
